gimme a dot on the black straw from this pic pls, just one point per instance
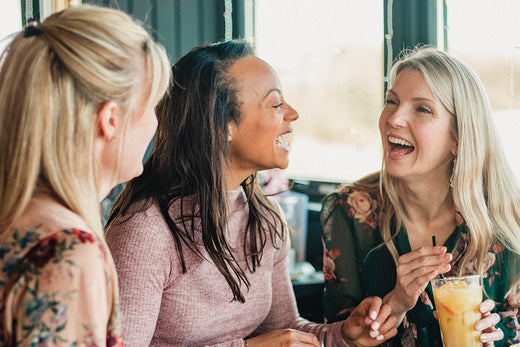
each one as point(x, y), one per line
point(434, 241)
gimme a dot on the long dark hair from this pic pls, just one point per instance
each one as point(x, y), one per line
point(189, 160)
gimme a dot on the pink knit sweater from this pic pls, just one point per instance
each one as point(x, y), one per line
point(161, 306)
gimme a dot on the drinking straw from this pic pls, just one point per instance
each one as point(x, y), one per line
point(434, 241)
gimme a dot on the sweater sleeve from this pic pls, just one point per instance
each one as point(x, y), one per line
point(141, 248)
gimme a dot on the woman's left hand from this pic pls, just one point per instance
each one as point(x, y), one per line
point(490, 334)
point(370, 323)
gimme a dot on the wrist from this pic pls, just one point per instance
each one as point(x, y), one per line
point(397, 308)
point(347, 339)
point(398, 311)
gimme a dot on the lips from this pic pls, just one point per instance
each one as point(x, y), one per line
point(399, 146)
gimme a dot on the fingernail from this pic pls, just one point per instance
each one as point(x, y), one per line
point(478, 326)
point(373, 315)
point(373, 333)
point(380, 337)
point(447, 256)
point(375, 326)
point(484, 338)
point(486, 306)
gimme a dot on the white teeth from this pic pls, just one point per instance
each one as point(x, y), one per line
point(399, 141)
point(284, 140)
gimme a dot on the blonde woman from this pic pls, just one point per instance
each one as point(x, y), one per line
point(77, 97)
point(445, 175)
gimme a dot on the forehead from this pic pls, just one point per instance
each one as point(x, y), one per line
point(412, 82)
point(253, 75)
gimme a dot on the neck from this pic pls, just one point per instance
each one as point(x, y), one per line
point(234, 177)
point(429, 210)
point(425, 200)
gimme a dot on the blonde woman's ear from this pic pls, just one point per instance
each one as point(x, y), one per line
point(455, 149)
point(109, 120)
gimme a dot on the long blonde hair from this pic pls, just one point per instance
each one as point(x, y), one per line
point(485, 190)
point(53, 80)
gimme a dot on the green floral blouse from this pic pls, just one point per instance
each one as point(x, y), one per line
point(57, 288)
point(354, 268)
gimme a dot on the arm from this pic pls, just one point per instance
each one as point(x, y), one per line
point(67, 295)
point(343, 288)
point(284, 314)
point(500, 324)
point(141, 250)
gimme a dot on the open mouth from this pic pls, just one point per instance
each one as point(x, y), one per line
point(399, 146)
point(284, 141)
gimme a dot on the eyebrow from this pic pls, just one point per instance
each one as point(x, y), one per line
point(273, 90)
point(414, 99)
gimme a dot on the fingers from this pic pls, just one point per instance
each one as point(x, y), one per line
point(284, 337)
point(486, 306)
point(383, 325)
point(488, 322)
point(373, 307)
point(299, 338)
point(389, 334)
point(489, 338)
point(421, 253)
point(385, 321)
point(417, 268)
point(420, 265)
point(425, 271)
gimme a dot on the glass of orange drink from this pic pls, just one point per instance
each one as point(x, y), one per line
point(457, 300)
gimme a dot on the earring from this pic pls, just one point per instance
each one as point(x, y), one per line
point(229, 138)
point(452, 178)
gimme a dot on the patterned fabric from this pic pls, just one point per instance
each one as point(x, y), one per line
point(355, 267)
point(58, 288)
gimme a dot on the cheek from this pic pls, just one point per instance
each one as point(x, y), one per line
point(153, 127)
point(382, 123)
point(382, 120)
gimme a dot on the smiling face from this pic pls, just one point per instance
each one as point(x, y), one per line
point(262, 138)
point(415, 130)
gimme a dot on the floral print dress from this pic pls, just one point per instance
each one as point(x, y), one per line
point(355, 267)
point(58, 288)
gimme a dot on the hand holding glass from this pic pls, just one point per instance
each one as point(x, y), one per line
point(457, 300)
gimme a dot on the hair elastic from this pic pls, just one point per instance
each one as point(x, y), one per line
point(31, 29)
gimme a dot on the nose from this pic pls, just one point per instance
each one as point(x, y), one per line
point(395, 118)
point(291, 114)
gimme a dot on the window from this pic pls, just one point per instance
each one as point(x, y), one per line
point(10, 21)
point(329, 55)
point(487, 38)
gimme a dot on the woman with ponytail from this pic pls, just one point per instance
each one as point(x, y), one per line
point(77, 97)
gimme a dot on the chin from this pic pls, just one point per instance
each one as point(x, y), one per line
point(283, 166)
point(129, 175)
